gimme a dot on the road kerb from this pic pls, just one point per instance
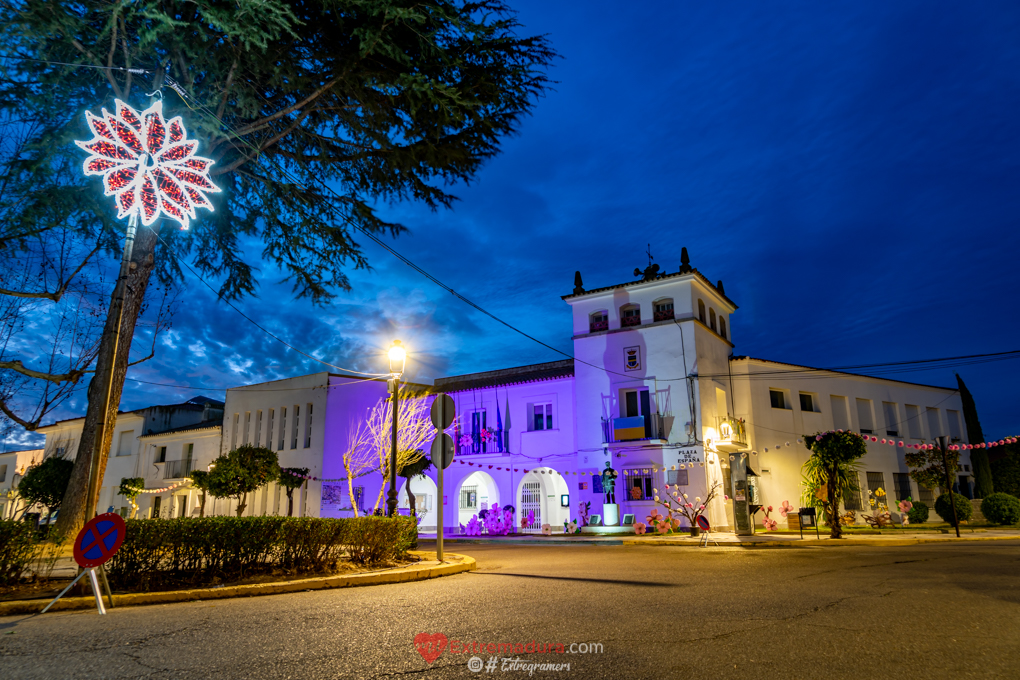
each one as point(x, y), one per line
point(454, 564)
point(827, 543)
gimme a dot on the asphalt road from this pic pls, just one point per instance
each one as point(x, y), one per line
point(912, 612)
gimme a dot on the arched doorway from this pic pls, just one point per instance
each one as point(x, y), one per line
point(477, 492)
point(543, 491)
point(424, 490)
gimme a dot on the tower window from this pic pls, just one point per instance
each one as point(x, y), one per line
point(711, 318)
point(598, 321)
point(663, 309)
point(722, 327)
point(701, 311)
point(630, 315)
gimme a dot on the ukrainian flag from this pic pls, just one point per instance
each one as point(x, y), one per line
point(628, 428)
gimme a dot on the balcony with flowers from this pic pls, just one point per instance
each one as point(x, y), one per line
point(732, 434)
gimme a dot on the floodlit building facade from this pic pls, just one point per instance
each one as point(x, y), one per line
point(655, 390)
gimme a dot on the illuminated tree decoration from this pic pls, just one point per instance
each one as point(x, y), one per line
point(148, 164)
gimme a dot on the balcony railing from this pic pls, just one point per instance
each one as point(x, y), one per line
point(628, 321)
point(595, 326)
point(177, 469)
point(731, 431)
point(654, 426)
point(663, 314)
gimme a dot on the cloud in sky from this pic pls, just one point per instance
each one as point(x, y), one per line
point(849, 172)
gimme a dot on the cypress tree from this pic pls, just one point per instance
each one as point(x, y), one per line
point(983, 484)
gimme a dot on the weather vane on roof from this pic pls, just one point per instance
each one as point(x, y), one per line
point(651, 272)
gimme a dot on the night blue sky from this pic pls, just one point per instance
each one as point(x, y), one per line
point(850, 173)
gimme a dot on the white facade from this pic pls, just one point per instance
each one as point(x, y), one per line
point(12, 468)
point(654, 390)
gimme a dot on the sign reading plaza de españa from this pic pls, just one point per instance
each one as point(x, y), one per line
point(691, 454)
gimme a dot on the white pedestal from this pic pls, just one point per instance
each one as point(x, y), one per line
point(611, 514)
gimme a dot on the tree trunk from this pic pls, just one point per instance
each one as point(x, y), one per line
point(350, 491)
point(242, 503)
point(73, 517)
point(290, 502)
point(410, 496)
point(201, 506)
point(835, 528)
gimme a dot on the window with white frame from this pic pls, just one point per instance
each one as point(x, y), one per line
point(469, 498)
point(914, 421)
point(124, 446)
point(160, 455)
point(258, 428)
point(663, 309)
point(308, 426)
point(840, 415)
point(283, 429)
point(598, 321)
point(269, 429)
point(478, 425)
point(934, 424)
point(630, 315)
point(237, 426)
point(892, 419)
point(864, 417)
point(954, 424)
point(640, 486)
point(297, 417)
point(778, 398)
point(541, 417)
point(247, 427)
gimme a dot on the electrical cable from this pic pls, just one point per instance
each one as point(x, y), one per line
point(63, 63)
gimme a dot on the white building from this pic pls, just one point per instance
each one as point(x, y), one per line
point(654, 390)
point(12, 468)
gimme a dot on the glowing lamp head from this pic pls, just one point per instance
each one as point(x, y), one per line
point(398, 357)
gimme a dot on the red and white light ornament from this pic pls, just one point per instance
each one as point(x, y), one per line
point(148, 163)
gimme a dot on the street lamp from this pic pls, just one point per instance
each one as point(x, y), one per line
point(398, 357)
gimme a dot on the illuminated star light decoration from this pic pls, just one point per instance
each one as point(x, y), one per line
point(148, 164)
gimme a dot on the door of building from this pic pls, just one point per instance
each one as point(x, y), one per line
point(531, 501)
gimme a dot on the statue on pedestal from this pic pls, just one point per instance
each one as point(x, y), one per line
point(609, 476)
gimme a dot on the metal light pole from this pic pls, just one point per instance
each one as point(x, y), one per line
point(398, 357)
point(949, 482)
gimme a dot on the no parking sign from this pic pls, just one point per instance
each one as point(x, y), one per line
point(97, 542)
point(99, 539)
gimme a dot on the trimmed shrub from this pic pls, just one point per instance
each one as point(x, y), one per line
point(161, 553)
point(17, 548)
point(944, 508)
point(1001, 508)
point(919, 513)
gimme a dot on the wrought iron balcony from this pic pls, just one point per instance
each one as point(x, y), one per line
point(653, 426)
point(731, 431)
point(595, 326)
point(627, 321)
point(177, 469)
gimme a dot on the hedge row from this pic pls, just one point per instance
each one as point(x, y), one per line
point(161, 553)
point(17, 549)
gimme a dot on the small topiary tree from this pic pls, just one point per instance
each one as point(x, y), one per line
point(242, 471)
point(1001, 508)
point(919, 513)
point(292, 478)
point(944, 508)
point(200, 480)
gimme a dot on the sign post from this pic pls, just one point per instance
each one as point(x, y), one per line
point(442, 413)
point(97, 542)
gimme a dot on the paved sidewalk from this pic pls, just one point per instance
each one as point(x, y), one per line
point(759, 540)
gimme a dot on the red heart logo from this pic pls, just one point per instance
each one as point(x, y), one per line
point(430, 646)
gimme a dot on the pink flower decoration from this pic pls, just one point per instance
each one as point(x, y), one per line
point(662, 527)
point(905, 506)
point(639, 528)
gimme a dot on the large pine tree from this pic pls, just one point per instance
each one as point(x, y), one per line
point(313, 111)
